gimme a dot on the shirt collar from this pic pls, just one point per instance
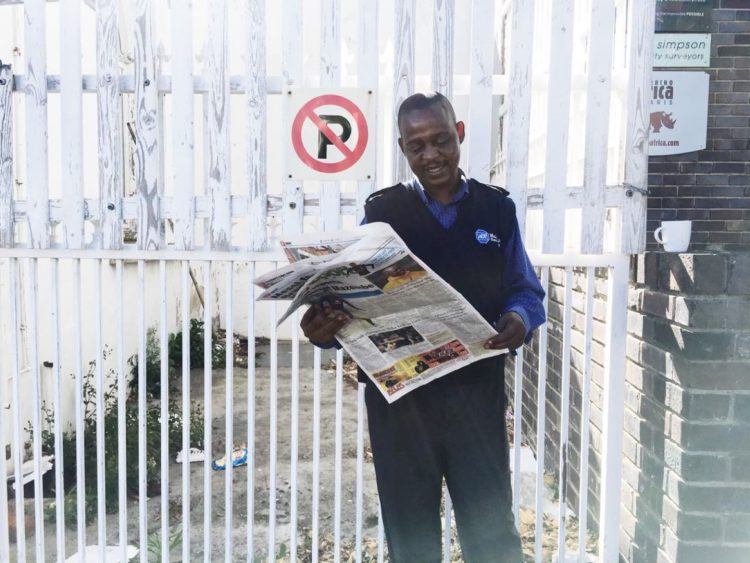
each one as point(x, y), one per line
point(463, 191)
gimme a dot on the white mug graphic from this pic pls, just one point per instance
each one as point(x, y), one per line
point(674, 235)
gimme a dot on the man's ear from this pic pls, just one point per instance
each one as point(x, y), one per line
point(400, 144)
point(460, 129)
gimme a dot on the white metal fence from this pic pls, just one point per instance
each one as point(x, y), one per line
point(148, 131)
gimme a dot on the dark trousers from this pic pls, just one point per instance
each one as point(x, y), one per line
point(452, 428)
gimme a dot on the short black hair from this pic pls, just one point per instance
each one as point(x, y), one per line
point(421, 101)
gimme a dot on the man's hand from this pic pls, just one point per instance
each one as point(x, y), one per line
point(322, 321)
point(511, 332)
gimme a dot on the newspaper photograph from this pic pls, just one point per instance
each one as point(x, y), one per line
point(408, 326)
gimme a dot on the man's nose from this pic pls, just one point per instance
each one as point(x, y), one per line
point(429, 152)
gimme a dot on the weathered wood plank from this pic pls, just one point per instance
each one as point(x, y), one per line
point(109, 108)
point(442, 47)
point(367, 77)
point(183, 122)
point(256, 125)
point(597, 124)
point(403, 76)
point(292, 72)
point(640, 55)
point(558, 112)
point(37, 173)
point(146, 129)
point(216, 110)
point(481, 122)
point(330, 76)
point(519, 104)
point(6, 157)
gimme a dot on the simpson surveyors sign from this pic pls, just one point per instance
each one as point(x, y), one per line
point(682, 49)
point(679, 112)
point(329, 134)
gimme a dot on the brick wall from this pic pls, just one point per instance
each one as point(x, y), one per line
point(712, 187)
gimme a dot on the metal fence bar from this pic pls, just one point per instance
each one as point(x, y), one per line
point(316, 457)
point(229, 452)
point(360, 470)
point(447, 525)
point(614, 406)
point(4, 529)
point(54, 320)
point(381, 537)
point(142, 508)
point(16, 406)
point(251, 413)
point(80, 429)
point(337, 456)
point(208, 412)
point(564, 413)
point(32, 291)
point(122, 492)
point(294, 446)
point(185, 318)
point(517, 429)
point(164, 406)
point(540, 420)
point(273, 420)
point(208, 406)
point(583, 487)
point(100, 476)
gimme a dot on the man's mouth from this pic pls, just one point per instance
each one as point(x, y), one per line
point(436, 170)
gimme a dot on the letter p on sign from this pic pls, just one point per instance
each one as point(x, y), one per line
point(330, 134)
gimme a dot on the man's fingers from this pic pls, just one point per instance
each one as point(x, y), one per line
point(327, 330)
point(307, 318)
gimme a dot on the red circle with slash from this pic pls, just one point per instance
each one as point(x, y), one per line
point(351, 156)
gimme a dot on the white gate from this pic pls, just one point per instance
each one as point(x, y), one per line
point(140, 141)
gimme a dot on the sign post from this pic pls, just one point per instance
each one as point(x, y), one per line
point(329, 137)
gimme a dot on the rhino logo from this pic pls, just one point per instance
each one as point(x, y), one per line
point(661, 118)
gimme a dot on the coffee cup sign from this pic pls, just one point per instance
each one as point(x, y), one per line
point(329, 134)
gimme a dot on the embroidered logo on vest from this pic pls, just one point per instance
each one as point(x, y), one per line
point(483, 237)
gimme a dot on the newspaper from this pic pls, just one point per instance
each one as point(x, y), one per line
point(408, 326)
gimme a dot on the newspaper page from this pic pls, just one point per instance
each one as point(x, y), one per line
point(408, 326)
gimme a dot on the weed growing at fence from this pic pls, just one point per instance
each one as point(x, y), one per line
point(111, 441)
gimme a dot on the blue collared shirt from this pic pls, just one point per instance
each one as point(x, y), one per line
point(526, 293)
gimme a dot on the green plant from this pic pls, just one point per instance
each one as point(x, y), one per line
point(153, 544)
point(111, 443)
point(197, 335)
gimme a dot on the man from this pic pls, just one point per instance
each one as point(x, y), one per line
point(454, 427)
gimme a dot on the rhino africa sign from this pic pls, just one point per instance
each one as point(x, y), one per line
point(679, 112)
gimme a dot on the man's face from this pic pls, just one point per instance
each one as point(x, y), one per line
point(432, 145)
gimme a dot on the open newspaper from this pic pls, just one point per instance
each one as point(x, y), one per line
point(408, 326)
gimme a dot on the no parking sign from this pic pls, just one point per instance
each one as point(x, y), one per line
point(329, 134)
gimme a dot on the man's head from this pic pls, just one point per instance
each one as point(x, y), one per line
point(430, 138)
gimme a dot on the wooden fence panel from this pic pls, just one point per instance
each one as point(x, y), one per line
point(558, 112)
point(480, 122)
point(71, 99)
point(640, 55)
point(146, 130)
point(291, 56)
point(216, 111)
point(330, 77)
point(597, 124)
point(403, 76)
point(37, 173)
point(367, 77)
point(109, 111)
point(183, 124)
point(256, 125)
point(519, 104)
point(6, 156)
point(442, 47)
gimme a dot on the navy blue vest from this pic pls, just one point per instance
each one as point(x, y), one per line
point(469, 255)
